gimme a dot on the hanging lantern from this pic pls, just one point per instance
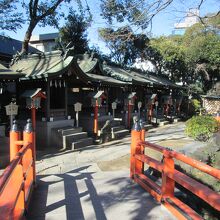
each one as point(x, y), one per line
point(33, 98)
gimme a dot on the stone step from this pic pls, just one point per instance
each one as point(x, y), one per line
point(148, 126)
point(162, 123)
point(58, 118)
point(118, 119)
point(175, 120)
point(82, 143)
point(161, 119)
point(69, 131)
point(68, 139)
point(120, 134)
point(157, 120)
point(116, 123)
point(117, 128)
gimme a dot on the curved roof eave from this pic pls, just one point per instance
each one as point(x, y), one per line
point(6, 73)
point(105, 80)
point(95, 78)
point(88, 65)
point(58, 69)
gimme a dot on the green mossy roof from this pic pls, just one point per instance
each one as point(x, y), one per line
point(6, 73)
point(88, 68)
point(42, 65)
point(88, 65)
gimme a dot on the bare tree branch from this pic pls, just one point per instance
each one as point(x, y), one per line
point(30, 8)
point(35, 7)
point(51, 10)
point(200, 4)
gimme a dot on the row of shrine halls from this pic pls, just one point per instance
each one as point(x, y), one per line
point(99, 90)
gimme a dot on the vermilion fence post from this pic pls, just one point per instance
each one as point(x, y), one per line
point(142, 139)
point(168, 184)
point(96, 110)
point(129, 116)
point(150, 112)
point(28, 136)
point(142, 131)
point(14, 136)
point(135, 138)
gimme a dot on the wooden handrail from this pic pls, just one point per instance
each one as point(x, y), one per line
point(170, 176)
point(17, 180)
point(188, 160)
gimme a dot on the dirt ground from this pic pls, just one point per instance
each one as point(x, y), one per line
point(124, 161)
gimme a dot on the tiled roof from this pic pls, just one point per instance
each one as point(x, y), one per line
point(87, 68)
point(137, 77)
point(6, 73)
point(9, 46)
point(87, 65)
point(105, 79)
point(42, 65)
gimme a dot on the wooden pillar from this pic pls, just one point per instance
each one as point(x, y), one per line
point(168, 184)
point(129, 114)
point(14, 136)
point(29, 138)
point(167, 109)
point(66, 99)
point(33, 118)
point(48, 99)
point(107, 100)
point(96, 109)
point(150, 112)
point(178, 109)
point(135, 138)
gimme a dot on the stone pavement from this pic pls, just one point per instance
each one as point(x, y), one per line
point(71, 185)
point(80, 194)
point(175, 133)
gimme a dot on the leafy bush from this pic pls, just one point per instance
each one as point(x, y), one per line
point(201, 127)
point(196, 104)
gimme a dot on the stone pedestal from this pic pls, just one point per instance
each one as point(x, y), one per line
point(45, 137)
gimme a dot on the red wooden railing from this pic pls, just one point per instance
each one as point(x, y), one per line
point(170, 176)
point(17, 180)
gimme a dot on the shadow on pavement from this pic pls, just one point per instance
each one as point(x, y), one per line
point(78, 195)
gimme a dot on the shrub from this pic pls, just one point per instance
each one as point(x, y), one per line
point(201, 127)
point(196, 104)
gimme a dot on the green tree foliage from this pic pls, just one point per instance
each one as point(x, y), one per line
point(34, 12)
point(124, 49)
point(123, 10)
point(40, 13)
point(74, 32)
point(202, 50)
point(172, 52)
point(201, 127)
point(190, 59)
point(193, 58)
point(10, 18)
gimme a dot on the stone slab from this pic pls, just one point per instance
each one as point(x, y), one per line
point(84, 195)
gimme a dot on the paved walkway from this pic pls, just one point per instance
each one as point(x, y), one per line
point(81, 194)
point(72, 185)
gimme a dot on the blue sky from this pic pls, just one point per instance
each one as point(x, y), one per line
point(162, 23)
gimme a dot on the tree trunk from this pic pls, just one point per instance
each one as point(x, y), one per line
point(27, 37)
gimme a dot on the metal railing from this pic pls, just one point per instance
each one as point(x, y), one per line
point(17, 180)
point(164, 193)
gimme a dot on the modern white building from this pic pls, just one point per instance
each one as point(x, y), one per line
point(44, 42)
point(192, 17)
